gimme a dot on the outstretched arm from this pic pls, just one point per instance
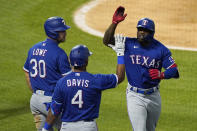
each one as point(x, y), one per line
point(49, 121)
point(119, 48)
point(120, 72)
point(109, 33)
point(54, 112)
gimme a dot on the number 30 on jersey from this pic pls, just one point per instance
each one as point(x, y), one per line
point(39, 67)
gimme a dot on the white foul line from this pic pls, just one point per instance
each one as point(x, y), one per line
point(79, 19)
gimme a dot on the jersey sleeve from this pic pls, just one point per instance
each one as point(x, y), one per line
point(57, 95)
point(26, 65)
point(57, 99)
point(167, 60)
point(63, 64)
point(106, 81)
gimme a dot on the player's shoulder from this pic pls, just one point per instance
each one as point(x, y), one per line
point(160, 47)
point(130, 42)
point(159, 44)
point(103, 76)
point(87, 75)
point(62, 50)
point(56, 48)
point(61, 80)
point(78, 75)
point(130, 39)
point(105, 81)
point(37, 45)
point(59, 51)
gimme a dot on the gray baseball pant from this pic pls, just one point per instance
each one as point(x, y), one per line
point(38, 109)
point(143, 110)
point(79, 126)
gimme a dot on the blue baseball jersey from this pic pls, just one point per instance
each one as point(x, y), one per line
point(46, 64)
point(139, 59)
point(78, 95)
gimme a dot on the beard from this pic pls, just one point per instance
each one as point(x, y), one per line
point(144, 38)
point(61, 40)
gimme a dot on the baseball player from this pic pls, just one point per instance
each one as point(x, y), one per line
point(77, 96)
point(144, 57)
point(45, 65)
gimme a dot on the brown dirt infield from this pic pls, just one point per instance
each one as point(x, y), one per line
point(175, 20)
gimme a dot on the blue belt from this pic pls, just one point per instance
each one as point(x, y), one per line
point(41, 92)
point(144, 91)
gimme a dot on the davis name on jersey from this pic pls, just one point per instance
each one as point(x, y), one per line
point(77, 83)
point(78, 95)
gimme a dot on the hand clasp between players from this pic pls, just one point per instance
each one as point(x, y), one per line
point(119, 46)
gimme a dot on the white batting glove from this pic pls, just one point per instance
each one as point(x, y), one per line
point(44, 129)
point(119, 46)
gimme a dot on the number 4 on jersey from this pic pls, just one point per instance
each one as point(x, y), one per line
point(79, 96)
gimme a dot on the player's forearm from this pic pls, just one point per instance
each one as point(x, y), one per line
point(120, 72)
point(167, 74)
point(49, 121)
point(28, 81)
point(118, 17)
point(109, 35)
point(50, 118)
point(171, 73)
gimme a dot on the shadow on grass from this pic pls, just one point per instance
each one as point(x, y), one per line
point(15, 111)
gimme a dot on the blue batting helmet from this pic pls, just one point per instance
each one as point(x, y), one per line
point(53, 25)
point(79, 55)
point(147, 24)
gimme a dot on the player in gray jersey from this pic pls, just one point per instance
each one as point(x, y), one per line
point(144, 57)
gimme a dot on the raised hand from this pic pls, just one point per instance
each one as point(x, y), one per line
point(119, 46)
point(119, 15)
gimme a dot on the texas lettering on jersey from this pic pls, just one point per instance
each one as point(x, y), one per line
point(145, 61)
point(140, 59)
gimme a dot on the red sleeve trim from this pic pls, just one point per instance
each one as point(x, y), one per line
point(173, 65)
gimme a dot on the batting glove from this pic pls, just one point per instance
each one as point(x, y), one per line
point(156, 74)
point(119, 46)
point(119, 15)
point(44, 129)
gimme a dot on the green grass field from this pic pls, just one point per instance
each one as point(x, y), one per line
point(21, 26)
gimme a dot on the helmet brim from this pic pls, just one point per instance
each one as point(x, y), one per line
point(67, 27)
